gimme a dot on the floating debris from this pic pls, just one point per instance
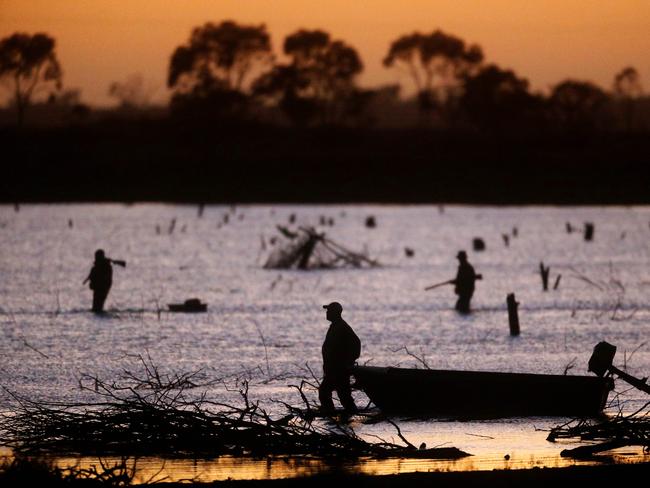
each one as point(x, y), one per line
point(478, 244)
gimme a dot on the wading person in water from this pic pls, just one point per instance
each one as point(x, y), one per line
point(101, 279)
point(340, 350)
point(464, 283)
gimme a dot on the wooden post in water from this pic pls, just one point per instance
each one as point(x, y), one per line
point(513, 315)
point(589, 231)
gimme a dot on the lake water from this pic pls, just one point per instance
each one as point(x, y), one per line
point(268, 325)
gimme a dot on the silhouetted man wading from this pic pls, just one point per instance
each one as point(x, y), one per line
point(464, 283)
point(340, 350)
point(101, 279)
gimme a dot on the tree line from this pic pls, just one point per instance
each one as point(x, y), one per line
point(228, 72)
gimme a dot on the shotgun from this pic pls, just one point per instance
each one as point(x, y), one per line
point(449, 282)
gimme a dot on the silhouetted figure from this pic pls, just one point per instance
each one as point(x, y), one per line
point(340, 350)
point(464, 283)
point(101, 279)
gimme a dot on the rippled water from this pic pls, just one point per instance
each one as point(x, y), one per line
point(270, 323)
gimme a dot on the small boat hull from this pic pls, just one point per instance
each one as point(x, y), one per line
point(189, 306)
point(479, 394)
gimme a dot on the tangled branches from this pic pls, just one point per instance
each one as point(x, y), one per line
point(149, 413)
point(618, 431)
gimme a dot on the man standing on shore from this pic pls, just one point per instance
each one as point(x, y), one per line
point(340, 350)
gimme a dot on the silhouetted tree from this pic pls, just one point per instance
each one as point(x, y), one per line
point(132, 92)
point(627, 83)
point(211, 71)
point(496, 99)
point(436, 62)
point(284, 86)
point(578, 105)
point(28, 64)
point(319, 81)
point(627, 89)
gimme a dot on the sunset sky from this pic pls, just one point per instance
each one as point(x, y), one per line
point(546, 41)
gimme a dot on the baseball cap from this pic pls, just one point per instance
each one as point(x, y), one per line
point(335, 306)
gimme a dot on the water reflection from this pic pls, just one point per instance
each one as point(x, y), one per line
point(276, 467)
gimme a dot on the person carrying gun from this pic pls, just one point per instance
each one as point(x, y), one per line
point(464, 283)
point(101, 279)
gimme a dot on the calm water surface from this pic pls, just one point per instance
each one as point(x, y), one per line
point(268, 325)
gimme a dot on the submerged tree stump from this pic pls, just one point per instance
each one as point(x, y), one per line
point(544, 271)
point(513, 314)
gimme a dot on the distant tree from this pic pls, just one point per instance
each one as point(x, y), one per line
point(436, 62)
point(496, 99)
point(628, 89)
point(283, 87)
point(132, 92)
point(578, 104)
point(627, 83)
point(28, 66)
point(317, 83)
point(214, 67)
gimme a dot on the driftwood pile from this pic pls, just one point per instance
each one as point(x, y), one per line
point(618, 431)
point(306, 248)
point(150, 413)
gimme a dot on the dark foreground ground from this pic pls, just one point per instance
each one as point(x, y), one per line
point(164, 160)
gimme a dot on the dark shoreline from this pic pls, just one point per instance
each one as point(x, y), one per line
point(164, 160)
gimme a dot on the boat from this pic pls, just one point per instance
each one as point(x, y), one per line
point(191, 305)
point(481, 394)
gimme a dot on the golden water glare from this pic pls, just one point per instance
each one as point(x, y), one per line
point(228, 467)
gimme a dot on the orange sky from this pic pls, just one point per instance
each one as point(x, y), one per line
point(546, 41)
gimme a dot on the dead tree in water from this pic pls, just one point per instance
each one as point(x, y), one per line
point(543, 271)
point(307, 249)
